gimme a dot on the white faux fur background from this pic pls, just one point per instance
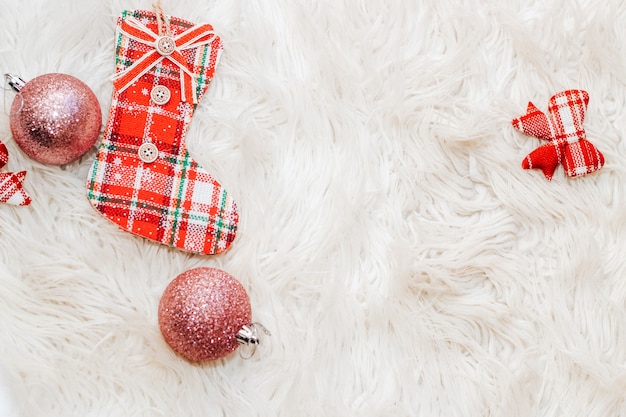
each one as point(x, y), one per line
point(403, 260)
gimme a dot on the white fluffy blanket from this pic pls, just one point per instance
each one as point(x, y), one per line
point(403, 260)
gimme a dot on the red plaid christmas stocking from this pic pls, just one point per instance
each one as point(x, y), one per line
point(563, 128)
point(143, 178)
point(11, 183)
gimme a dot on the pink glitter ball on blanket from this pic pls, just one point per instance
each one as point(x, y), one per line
point(55, 118)
point(202, 312)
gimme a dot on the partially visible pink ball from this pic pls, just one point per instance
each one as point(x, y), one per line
point(201, 312)
point(55, 119)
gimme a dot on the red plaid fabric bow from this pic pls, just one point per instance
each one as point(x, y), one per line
point(563, 128)
point(160, 48)
point(11, 183)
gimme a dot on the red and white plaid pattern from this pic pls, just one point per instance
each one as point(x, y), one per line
point(12, 183)
point(563, 128)
point(172, 200)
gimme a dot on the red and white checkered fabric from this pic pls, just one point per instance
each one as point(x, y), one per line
point(563, 128)
point(12, 183)
point(171, 200)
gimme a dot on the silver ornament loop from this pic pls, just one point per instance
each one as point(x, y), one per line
point(248, 337)
point(15, 83)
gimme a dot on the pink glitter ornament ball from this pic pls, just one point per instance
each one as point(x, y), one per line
point(55, 118)
point(202, 313)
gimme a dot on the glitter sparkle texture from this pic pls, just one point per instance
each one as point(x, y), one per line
point(55, 119)
point(200, 313)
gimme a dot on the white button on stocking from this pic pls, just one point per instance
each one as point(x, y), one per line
point(160, 94)
point(148, 152)
point(165, 45)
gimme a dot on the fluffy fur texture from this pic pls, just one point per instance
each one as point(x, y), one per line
point(404, 261)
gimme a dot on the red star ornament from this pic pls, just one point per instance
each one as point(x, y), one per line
point(11, 183)
point(563, 128)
